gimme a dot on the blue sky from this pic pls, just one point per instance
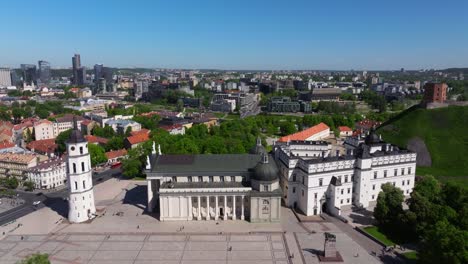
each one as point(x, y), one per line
point(241, 34)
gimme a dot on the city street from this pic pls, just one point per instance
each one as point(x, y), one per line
point(47, 198)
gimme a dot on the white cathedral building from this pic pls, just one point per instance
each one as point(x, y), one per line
point(81, 200)
point(313, 180)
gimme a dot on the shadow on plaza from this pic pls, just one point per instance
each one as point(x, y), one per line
point(58, 205)
point(362, 216)
point(136, 196)
point(313, 251)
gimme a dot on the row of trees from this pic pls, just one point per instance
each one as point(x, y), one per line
point(437, 218)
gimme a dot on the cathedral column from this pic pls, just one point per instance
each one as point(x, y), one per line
point(199, 209)
point(207, 208)
point(216, 208)
point(225, 206)
point(150, 197)
point(233, 207)
point(242, 210)
point(189, 206)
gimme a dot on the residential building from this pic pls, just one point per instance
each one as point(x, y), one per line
point(87, 126)
point(314, 184)
point(48, 174)
point(345, 131)
point(214, 187)
point(65, 123)
point(121, 125)
point(96, 140)
point(43, 146)
point(136, 140)
point(115, 156)
point(44, 129)
point(5, 77)
point(285, 104)
point(176, 129)
point(17, 164)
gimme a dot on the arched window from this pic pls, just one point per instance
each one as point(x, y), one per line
point(82, 166)
point(81, 150)
point(74, 168)
point(294, 177)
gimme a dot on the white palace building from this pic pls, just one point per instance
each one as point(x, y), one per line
point(313, 180)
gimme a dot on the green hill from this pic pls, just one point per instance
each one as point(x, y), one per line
point(445, 133)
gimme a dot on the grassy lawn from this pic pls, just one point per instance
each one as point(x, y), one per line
point(444, 133)
point(413, 255)
point(374, 231)
point(139, 179)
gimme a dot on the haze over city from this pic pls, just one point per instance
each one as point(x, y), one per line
point(242, 35)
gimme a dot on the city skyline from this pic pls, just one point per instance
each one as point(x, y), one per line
point(260, 35)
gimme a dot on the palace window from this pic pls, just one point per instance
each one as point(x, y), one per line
point(375, 175)
point(320, 181)
point(294, 190)
point(174, 179)
point(402, 171)
point(200, 178)
point(221, 178)
point(342, 191)
point(407, 182)
point(395, 172)
point(339, 178)
point(402, 183)
point(349, 190)
point(347, 200)
point(189, 178)
point(409, 170)
point(265, 188)
point(385, 173)
point(315, 195)
point(294, 177)
point(341, 201)
point(373, 187)
point(210, 178)
point(373, 196)
point(346, 178)
point(84, 185)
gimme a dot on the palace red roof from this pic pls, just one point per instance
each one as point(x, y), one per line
point(305, 134)
point(143, 131)
point(6, 144)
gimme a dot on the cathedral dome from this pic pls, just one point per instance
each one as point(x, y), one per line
point(266, 171)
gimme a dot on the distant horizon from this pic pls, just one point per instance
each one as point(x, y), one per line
point(245, 35)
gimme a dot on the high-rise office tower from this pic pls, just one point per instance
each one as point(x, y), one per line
point(97, 72)
point(44, 71)
point(76, 63)
point(29, 74)
point(81, 76)
point(5, 77)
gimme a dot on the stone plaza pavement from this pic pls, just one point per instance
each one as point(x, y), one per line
point(124, 233)
point(157, 249)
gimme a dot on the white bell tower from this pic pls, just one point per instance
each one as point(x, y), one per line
point(81, 201)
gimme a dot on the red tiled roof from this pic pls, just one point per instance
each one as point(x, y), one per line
point(142, 131)
point(368, 124)
point(95, 139)
point(344, 129)
point(43, 146)
point(305, 134)
point(138, 138)
point(116, 153)
point(6, 144)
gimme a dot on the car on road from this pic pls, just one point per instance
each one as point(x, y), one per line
point(36, 202)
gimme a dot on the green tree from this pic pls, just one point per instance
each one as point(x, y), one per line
point(105, 132)
point(97, 154)
point(115, 143)
point(287, 128)
point(131, 167)
point(36, 259)
point(444, 243)
point(29, 186)
point(61, 139)
point(128, 131)
point(389, 205)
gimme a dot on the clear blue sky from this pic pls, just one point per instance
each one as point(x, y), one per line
point(240, 34)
